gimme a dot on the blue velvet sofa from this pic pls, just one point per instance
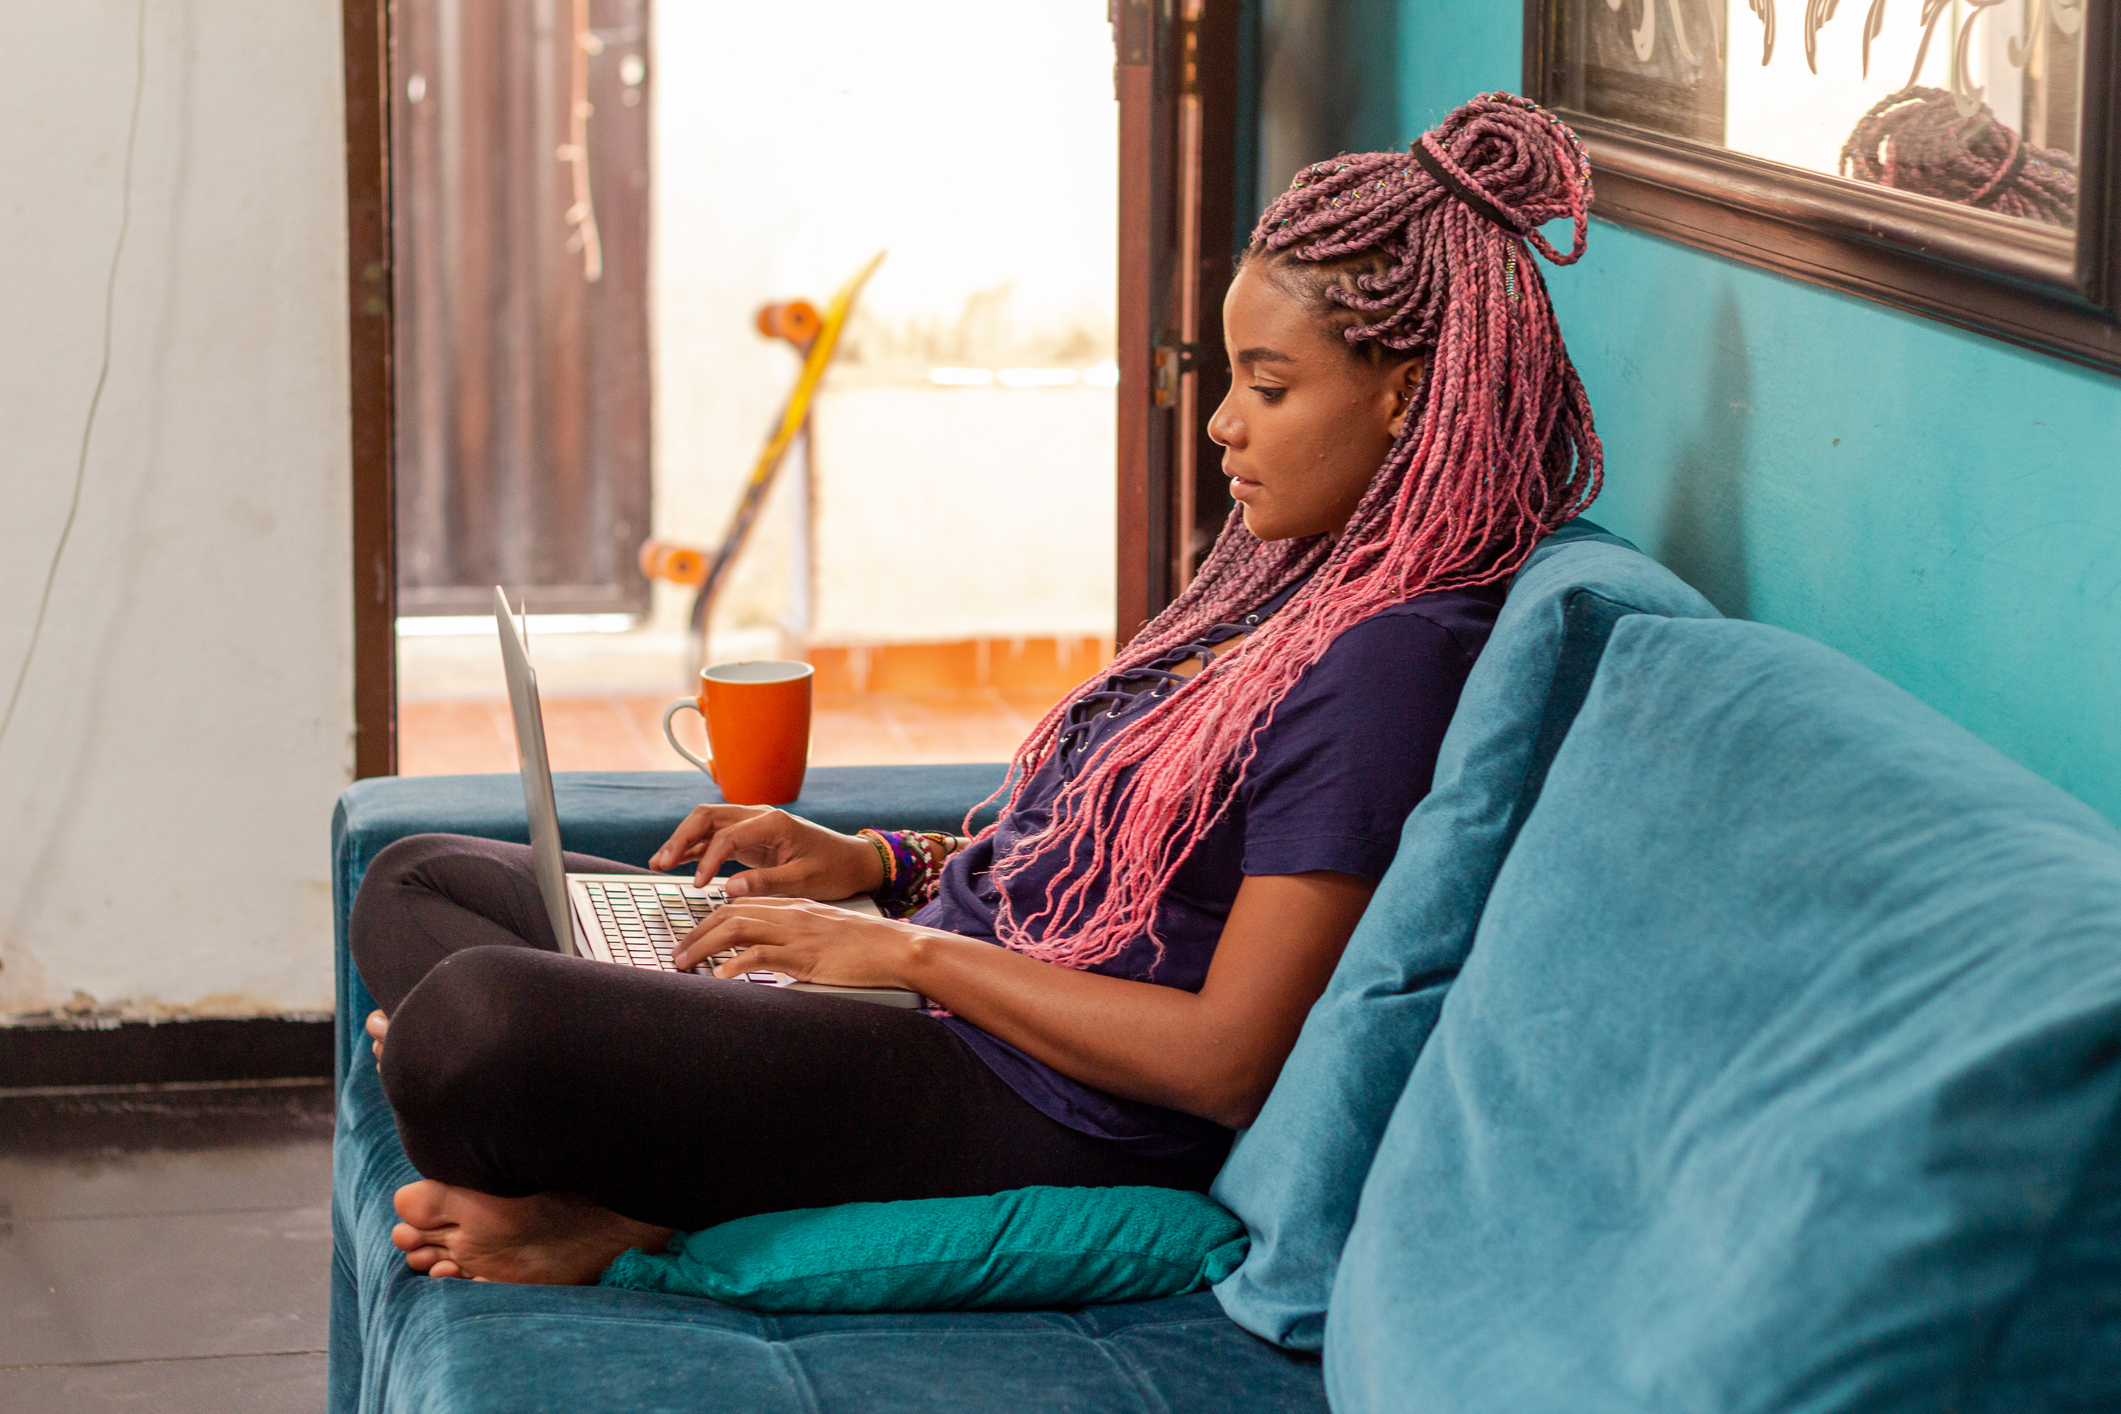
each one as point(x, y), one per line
point(1732, 1033)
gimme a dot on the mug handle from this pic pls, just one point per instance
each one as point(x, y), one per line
point(671, 737)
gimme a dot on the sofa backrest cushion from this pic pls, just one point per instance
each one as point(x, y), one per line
point(1295, 1174)
point(1783, 1074)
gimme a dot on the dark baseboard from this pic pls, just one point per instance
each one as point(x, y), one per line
point(65, 1054)
point(132, 1118)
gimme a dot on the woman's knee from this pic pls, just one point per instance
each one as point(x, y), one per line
point(402, 862)
point(376, 924)
point(398, 864)
point(469, 1038)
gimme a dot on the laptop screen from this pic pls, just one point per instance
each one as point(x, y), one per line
point(539, 806)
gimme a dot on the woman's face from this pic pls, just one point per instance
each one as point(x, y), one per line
point(1307, 422)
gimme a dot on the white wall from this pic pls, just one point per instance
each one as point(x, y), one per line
point(978, 143)
point(1002, 529)
point(166, 786)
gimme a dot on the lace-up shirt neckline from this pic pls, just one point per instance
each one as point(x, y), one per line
point(1157, 680)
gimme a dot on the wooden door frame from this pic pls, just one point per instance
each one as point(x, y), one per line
point(371, 344)
point(1144, 430)
point(1183, 105)
point(370, 335)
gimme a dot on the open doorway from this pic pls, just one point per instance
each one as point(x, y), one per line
point(940, 546)
point(964, 158)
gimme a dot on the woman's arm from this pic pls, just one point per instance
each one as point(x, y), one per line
point(1214, 1053)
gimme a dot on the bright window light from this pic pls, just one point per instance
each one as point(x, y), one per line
point(1102, 375)
point(456, 626)
point(961, 377)
point(1040, 378)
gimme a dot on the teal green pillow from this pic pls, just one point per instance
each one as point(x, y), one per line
point(1027, 1248)
point(1295, 1174)
point(1784, 1073)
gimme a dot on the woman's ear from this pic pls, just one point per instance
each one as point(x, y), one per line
point(1404, 380)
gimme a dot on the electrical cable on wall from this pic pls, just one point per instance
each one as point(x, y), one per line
point(95, 401)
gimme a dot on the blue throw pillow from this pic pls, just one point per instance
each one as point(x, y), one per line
point(1784, 1074)
point(1294, 1175)
point(1023, 1249)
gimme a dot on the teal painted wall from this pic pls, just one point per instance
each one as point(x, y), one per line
point(1942, 507)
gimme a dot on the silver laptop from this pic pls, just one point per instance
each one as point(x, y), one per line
point(636, 920)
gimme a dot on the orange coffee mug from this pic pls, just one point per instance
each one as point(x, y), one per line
point(758, 729)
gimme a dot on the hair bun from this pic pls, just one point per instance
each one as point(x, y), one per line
point(1510, 162)
point(1919, 141)
point(1522, 160)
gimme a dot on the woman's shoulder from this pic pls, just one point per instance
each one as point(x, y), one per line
point(1406, 661)
point(1452, 622)
point(1353, 746)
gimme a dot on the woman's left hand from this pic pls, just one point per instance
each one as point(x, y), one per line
point(811, 942)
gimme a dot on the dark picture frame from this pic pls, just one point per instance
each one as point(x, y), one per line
point(2045, 288)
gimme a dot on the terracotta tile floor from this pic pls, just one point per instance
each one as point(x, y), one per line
point(625, 733)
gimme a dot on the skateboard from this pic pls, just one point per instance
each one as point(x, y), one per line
point(816, 336)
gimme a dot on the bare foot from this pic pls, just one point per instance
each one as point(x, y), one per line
point(551, 1239)
point(377, 1024)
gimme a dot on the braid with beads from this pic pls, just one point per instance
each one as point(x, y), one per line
point(1499, 451)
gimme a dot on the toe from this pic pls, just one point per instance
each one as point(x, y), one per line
point(424, 1257)
point(422, 1203)
point(445, 1268)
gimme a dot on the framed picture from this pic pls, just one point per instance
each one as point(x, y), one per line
point(1951, 157)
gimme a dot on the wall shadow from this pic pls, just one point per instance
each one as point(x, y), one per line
point(1328, 83)
point(1703, 539)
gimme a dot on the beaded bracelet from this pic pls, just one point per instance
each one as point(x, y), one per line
point(913, 867)
point(883, 855)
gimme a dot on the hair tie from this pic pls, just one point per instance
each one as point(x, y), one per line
point(1479, 204)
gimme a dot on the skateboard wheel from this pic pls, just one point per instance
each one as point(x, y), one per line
point(797, 321)
point(680, 564)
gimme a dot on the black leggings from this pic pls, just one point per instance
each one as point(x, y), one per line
point(674, 1099)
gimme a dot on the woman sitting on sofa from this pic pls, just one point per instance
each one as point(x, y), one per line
point(1117, 969)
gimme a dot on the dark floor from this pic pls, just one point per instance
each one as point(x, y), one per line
point(165, 1248)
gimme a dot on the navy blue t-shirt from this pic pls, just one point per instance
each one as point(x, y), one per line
point(1349, 753)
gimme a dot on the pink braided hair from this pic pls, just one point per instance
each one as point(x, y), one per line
point(1500, 451)
point(1915, 140)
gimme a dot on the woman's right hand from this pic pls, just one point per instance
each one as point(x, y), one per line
point(783, 854)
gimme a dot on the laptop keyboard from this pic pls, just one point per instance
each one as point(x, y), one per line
point(645, 922)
